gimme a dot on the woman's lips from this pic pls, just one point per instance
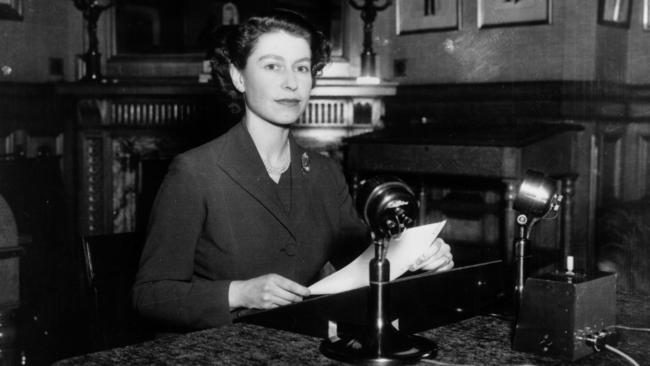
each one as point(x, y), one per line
point(289, 102)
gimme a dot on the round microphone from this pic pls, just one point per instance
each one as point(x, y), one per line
point(536, 195)
point(387, 205)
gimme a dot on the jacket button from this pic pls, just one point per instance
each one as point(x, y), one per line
point(290, 249)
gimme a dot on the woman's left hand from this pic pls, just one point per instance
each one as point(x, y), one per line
point(437, 257)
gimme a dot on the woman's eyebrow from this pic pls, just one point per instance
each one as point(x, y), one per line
point(271, 56)
point(307, 59)
point(280, 58)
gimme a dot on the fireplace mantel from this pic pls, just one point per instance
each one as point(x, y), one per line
point(119, 124)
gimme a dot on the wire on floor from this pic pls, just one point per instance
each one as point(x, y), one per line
point(630, 328)
point(622, 354)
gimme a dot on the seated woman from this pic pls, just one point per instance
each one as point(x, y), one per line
point(250, 218)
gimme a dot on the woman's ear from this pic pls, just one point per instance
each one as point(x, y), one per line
point(237, 78)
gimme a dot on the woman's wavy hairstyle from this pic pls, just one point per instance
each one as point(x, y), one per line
point(236, 43)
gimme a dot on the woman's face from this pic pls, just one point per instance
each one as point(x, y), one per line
point(277, 80)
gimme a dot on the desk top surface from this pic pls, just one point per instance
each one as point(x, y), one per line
point(481, 340)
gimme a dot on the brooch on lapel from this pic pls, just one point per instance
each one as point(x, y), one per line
point(304, 161)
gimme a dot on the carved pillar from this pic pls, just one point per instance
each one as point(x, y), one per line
point(509, 194)
point(92, 216)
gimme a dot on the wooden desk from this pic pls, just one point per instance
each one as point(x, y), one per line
point(481, 340)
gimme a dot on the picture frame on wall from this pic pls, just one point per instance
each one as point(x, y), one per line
point(418, 16)
point(11, 9)
point(505, 13)
point(615, 13)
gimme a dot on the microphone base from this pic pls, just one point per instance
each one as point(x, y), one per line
point(400, 349)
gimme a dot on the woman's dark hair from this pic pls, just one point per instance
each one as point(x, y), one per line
point(237, 42)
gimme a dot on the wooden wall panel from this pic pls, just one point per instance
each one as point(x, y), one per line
point(610, 142)
point(640, 184)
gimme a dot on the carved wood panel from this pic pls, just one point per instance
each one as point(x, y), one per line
point(92, 215)
point(150, 113)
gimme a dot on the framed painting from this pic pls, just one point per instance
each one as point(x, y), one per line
point(11, 9)
point(417, 16)
point(615, 13)
point(502, 13)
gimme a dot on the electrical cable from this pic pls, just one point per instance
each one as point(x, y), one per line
point(630, 328)
point(440, 363)
point(622, 354)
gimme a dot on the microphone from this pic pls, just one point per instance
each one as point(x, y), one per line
point(387, 205)
point(537, 195)
point(536, 199)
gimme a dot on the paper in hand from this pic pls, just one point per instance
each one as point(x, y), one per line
point(402, 252)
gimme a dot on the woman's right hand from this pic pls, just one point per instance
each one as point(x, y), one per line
point(265, 292)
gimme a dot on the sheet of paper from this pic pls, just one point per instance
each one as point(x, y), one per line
point(402, 252)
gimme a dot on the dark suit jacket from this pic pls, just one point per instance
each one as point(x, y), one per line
point(217, 218)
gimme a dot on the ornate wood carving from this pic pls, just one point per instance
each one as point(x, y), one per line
point(324, 113)
point(93, 215)
point(149, 113)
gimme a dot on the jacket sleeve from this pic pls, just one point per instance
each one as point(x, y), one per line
point(166, 289)
point(353, 236)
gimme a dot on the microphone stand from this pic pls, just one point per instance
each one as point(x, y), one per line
point(382, 343)
point(521, 246)
point(536, 198)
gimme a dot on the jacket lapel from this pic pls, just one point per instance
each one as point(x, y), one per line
point(241, 161)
